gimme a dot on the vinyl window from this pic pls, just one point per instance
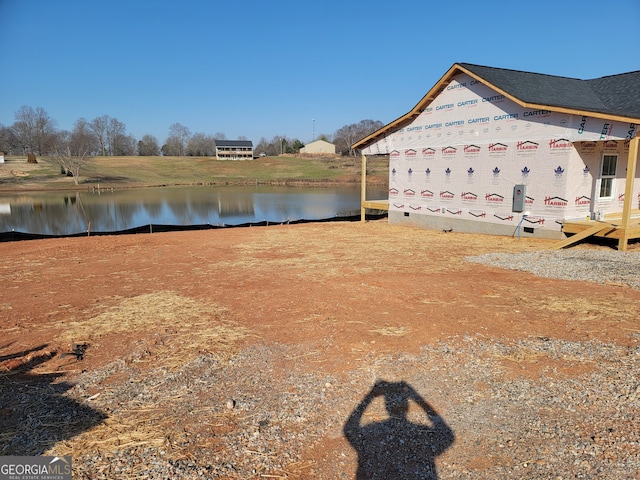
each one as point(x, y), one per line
point(608, 175)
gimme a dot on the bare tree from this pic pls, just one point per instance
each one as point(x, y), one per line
point(148, 146)
point(8, 141)
point(72, 149)
point(116, 133)
point(279, 143)
point(178, 136)
point(171, 148)
point(346, 136)
point(111, 135)
point(125, 145)
point(131, 145)
point(201, 145)
point(99, 127)
point(262, 147)
point(34, 130)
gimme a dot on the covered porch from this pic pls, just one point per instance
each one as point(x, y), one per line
point(622, 226)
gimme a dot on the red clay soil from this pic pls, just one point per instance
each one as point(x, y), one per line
point(338, 288)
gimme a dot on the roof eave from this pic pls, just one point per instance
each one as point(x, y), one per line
point(446, 79)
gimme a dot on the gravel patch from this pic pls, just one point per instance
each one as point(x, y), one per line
point(589, 265)
point(255, 415)
point(535, 408)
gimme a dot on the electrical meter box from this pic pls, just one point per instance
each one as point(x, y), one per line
point(519, 198)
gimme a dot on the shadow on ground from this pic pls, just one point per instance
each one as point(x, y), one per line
point(396, 448)
point(34, 412)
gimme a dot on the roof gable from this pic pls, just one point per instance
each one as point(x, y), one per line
point(615, 97)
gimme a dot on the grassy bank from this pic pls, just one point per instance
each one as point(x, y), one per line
point(125, 172)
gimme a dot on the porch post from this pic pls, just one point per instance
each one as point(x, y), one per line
point(363, 188)
point(628, 192)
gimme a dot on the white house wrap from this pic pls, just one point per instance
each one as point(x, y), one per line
point(455, 158)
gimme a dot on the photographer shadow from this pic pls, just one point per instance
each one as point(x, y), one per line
point(35, 413)
point(396, 448)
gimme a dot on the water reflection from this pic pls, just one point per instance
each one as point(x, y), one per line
point(69, 213)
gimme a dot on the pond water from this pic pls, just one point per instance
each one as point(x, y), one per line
point(69, 213)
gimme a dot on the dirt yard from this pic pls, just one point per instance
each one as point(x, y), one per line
point(242, 353)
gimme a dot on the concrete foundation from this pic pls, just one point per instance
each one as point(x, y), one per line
point(433, 222)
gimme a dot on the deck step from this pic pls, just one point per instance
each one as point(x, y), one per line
point(581, 236)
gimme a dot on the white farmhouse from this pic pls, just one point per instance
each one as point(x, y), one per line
point(234, 150)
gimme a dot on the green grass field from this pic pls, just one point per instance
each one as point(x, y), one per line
point(123, 172)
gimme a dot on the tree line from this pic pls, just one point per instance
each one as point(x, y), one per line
point(35, 132)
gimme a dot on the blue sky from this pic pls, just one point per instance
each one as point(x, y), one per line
point(262, 68)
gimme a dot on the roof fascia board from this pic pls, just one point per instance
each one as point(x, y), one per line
point(446, 79)
point(413, 113)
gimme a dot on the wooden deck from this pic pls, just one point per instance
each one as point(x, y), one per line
point(376, 204)
point(609, 227)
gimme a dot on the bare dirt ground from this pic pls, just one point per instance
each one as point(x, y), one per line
point(274, 315)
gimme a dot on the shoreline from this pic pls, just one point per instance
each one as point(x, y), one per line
point(111, 186)
point(115, 173)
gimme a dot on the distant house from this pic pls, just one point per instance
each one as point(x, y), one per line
point(1, 157)
point(234, 150)
point(319, 147)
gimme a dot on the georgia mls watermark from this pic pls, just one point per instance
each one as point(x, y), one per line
point(35, 468)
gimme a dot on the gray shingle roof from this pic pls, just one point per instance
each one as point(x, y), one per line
point(614, 95)
point(234, 143)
